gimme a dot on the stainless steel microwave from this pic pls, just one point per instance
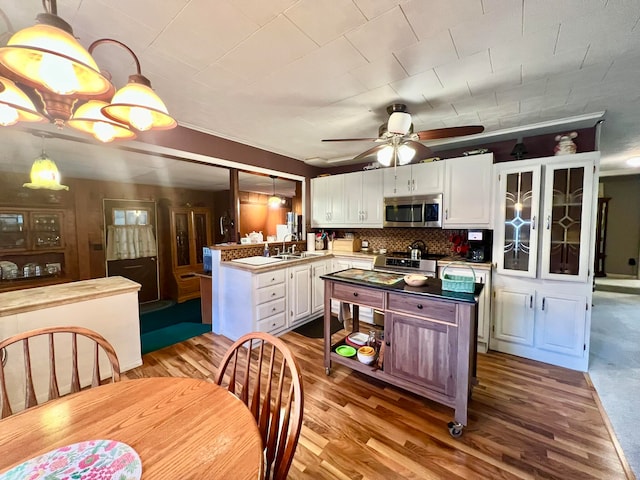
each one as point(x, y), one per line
point(418, 211)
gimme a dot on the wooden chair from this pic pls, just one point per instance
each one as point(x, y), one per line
point(65, 345)
point(266, 377)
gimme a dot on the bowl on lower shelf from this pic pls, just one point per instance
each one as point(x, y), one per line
point(415, 280)
point(366, 355)
point(346, 351)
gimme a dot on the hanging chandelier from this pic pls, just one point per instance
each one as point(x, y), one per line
point(47, 75)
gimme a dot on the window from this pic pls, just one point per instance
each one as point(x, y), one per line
point(130, 217)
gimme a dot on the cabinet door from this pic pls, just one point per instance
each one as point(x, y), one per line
point(467, 192)
point(422, 352)
point(566, 235)
point(327, 201)
point(427, 178)
point(561, 323)
point(353, 198)
point(517, 221)
point(397, 181)
point(317, 293)
point(335, 192)
point(514, 317)
point(46, 230)
point(319, 197)
point(201, 234)
point(371, 198)
point(13, 231)
point(299, 292)
point(181, 232)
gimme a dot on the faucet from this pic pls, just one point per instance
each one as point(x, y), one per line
point(284, 239)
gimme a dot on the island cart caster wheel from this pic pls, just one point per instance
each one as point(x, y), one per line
point(327, 371)
point(455, 429)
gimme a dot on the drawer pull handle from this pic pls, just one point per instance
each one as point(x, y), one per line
point(273, 309)
point(273, 294)
point(419, 306)
point(355, 294)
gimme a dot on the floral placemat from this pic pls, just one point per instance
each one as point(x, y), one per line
point(93, 459)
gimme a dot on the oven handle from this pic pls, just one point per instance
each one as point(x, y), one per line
point(403, 272)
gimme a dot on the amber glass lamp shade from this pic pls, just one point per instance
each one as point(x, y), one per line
point(89, 118)
point(48, 57)
point(15, 106)
point(137, 105)
point(45, 175)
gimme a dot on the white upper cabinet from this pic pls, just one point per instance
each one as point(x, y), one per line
point(417, 179)
point(363, 198)
point(467, 195)
point(327, 202)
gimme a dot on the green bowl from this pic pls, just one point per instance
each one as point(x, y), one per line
point(346, 351)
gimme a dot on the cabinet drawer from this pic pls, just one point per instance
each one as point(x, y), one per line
point(273, 323)
point(354, 294)
point(267, 309)
point(270, 278)
point(267, 294)
point(422, 307)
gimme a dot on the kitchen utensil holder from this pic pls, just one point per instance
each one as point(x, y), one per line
point(458, 283)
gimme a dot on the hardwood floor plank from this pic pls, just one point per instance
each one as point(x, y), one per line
point(527, 420)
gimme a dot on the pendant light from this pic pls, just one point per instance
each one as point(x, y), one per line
point(44, 173)
point(274, 200)
point(90, 119)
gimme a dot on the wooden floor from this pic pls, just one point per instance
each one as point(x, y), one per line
point(528, 420)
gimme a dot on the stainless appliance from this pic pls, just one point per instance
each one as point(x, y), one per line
point(418, 211)
point(402, 263)
point(480, 246)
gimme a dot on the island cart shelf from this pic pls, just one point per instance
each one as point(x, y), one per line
point(414, 317)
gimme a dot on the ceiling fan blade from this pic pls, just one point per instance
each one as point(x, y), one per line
point(422, 151)
point(372, 152)
point(449, 132)
point(349, 139)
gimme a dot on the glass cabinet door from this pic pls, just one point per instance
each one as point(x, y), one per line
point(567, 220)
point(13, 231)
point(517, 227)
point(200, 222)
point(182, 238)
point(46, 230)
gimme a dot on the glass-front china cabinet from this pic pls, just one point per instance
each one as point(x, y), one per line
point(543, 249)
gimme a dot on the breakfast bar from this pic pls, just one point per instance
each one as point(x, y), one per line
point(428, 345)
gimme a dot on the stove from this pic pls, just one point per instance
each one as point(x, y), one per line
point(400, 262)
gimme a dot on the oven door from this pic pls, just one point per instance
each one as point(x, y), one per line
point(403, 212)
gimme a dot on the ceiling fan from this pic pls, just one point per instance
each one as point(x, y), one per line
point(399, 144)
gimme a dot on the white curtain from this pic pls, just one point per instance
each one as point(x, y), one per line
point(130, 241)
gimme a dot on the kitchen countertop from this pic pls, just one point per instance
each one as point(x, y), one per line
point(37, 298)
point(433, 288)
point(443, 262)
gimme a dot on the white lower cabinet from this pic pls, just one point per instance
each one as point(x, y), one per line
point(483, 275)
point(270, 301)
point(542, 322)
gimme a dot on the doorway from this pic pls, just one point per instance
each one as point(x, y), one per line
point(131, 230)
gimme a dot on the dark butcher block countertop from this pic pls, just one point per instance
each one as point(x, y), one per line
point(395, 283)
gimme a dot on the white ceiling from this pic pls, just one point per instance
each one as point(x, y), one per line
point(284, 74)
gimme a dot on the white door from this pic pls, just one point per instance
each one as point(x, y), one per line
point(514, 318)
point(299, 293)
point(427, 178)
point(371, 198)
point(561, 323)
point(566, 235)
point(467, 192)
point(517, 221)
point(318, 269)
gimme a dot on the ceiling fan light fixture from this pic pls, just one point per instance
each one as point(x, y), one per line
point(399, 123)
point(88, 118)
point(405, 154)
point(16, 106)
point(385, 155)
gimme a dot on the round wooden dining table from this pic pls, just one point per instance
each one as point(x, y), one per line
point(180, 428)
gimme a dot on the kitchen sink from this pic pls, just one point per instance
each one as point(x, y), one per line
point(258, 260)
point(288, 256)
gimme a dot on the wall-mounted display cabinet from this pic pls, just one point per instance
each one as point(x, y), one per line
point(32, 247)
